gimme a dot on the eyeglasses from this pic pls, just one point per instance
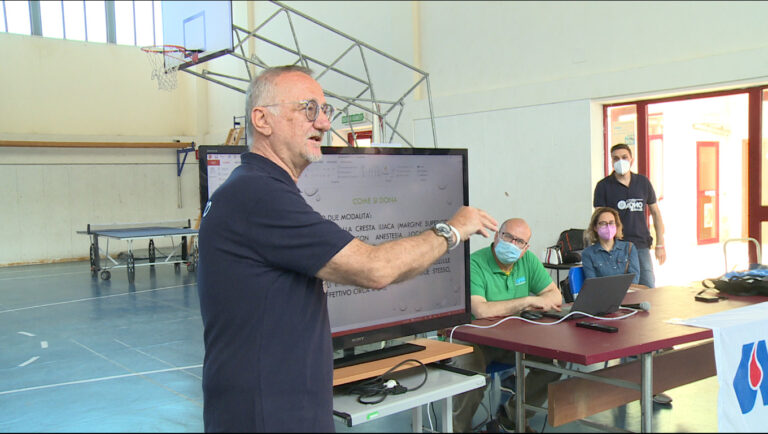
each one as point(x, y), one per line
point(506, 236)
point(604, 224)
point(311, 107)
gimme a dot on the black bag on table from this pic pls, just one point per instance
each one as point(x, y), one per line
point(571, 243)
point(750, 282)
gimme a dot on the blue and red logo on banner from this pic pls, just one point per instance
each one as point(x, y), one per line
point(751, 376)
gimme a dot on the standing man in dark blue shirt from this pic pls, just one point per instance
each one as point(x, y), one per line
point(630, 194)
point(264, 254)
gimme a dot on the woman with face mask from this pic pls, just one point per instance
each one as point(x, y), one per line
point(608, 254)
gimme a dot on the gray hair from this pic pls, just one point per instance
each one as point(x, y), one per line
point(262, 90)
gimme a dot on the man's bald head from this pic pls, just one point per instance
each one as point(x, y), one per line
point(517, 227)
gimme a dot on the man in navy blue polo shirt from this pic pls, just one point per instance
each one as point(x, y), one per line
point(630, 194)
point(264, 254)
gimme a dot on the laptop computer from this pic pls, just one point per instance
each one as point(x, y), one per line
point(598, 296)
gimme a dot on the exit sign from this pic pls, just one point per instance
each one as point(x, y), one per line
point(348, 119)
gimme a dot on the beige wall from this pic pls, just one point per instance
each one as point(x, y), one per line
point(60, 88)
point(57, 90)
point(517, 83)
point(521, 85)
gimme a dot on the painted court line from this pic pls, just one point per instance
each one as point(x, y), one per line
point(28, 361)
point(38, 276)
point(93, 380)
point(152, 357)
point(150, 379)
point(94, 298)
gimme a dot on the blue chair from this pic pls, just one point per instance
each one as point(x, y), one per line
point(496, 392)
point(575, 281)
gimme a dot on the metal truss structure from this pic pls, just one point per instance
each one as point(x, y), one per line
point(353, 78)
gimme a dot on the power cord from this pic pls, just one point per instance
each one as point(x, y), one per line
point(575, 312)
point(381, 388)
point(431, 407)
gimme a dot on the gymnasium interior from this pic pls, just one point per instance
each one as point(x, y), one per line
point(104, 334)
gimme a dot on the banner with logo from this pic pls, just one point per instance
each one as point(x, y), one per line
point(741, 357)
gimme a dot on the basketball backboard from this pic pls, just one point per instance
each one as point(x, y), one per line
point(204, 27)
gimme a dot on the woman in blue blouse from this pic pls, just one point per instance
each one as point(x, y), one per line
point(608, 254)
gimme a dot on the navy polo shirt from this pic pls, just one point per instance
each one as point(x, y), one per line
point(268, 354)
point(631, 203)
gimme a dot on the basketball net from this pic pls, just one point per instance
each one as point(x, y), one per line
point(165, 61)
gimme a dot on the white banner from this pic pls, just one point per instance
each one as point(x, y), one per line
point(741, 357)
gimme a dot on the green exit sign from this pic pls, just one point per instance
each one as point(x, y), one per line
point(348, 119)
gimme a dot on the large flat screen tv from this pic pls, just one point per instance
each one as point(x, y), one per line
point(378, 195)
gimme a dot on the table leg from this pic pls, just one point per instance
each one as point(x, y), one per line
point(416, 422)
point(646, 392)
point(96, 253)
point(447, 418)
point(184, 248)
point(519, 393)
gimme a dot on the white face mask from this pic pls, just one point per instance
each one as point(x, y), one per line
point(621, 167)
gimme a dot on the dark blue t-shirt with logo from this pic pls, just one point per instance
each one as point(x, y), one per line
point(268, 354)
point(631, 203)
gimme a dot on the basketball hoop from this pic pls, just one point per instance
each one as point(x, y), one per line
point(165, 61)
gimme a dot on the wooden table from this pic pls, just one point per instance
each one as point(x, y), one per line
point(640, 335)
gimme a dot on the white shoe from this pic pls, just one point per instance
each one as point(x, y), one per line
point(662, 399)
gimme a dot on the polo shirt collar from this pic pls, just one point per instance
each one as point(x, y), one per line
point(632, 176)
point(617, 246)
point(254, 159)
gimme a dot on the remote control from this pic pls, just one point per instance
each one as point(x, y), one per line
point(596, 326)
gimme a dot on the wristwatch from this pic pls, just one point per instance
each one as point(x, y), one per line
point(449, 233)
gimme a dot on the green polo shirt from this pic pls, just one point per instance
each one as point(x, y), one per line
point(486, 279)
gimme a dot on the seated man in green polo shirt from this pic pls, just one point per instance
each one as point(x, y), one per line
point(505, 279)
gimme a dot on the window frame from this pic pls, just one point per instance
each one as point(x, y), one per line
point(36, 25)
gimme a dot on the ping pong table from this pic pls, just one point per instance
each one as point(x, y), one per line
point(179, 253)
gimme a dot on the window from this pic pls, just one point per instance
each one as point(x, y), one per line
point(3, 25)
point(74, 20)
point(622, 128)
point(95, 21)
point(52, 19)
point(17, 17)
point(158, 19)
point(124, 29)
point(137, 22)
point(145, 29)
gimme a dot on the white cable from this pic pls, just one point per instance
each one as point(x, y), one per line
point(429, 416)
point(634, 311)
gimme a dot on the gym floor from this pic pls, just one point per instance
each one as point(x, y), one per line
point(79, 354)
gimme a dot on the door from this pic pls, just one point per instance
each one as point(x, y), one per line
point(682, 144)
point(758, 169)
point(707, 193)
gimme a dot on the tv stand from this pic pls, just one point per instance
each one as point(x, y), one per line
point(350, 358)
point(443, 383)
point(435, 351)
